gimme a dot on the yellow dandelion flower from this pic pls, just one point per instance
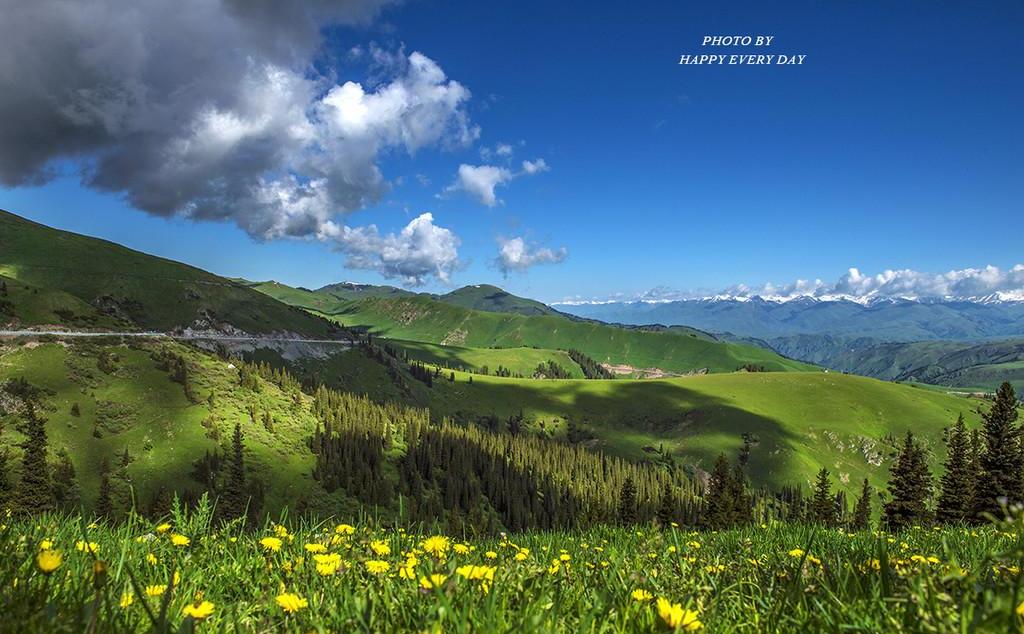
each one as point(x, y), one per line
point(198, 610)
point(437, 545)
point(344, 529)
point(155, 590)
point(315, 548)
point(461, 549)
point(180, 540)
point(291, 602)
point(163, 528)
point(521, 556)
point(433, 581)
point(151, 559)
point(48, 561)
point(379, 548)
point(490, 554)
point(126, 600)
point(46, 544)
point(641, 595)
point(91, 547)
point(796, 552)
point(677, 617)
point(1020, 610)
point(272, 544)
point(377, 567)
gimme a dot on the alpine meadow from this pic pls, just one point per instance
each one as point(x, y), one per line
point(376, 316)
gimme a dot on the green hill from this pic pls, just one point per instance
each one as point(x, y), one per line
point(97, 280)
point(496, 300)
point(418, 318)
point(801, 421)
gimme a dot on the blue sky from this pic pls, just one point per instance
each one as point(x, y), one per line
point(897, 144)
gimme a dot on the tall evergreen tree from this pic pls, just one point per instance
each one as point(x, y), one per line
point(627, 502)
point(823, 504)
point(233, 501)
point(667, 511)
point(105, 501)
point(910, 485)
point(742, 502)
point(957, 484)
point(862, 512)
point(65, 488)
point(719, 504)
point(1000, 479)
point(34, 494)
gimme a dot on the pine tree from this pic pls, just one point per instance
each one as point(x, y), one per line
point(34, 494)
point(65, 488)
point(234, 499)
point(105, 502)
point(719, 504)
point(1000, 479)
point(862, 512)
point(627, 502)
point(667, 511)
point(909, 487)
point(742, 502)
point(823, 505)
point(957, 486)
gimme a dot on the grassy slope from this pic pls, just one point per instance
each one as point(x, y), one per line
point(493, 299)
point(26, 303)
point(522, 361)
point(155, 293)
point(803, 420)
point(156, 414)
point(428, 321)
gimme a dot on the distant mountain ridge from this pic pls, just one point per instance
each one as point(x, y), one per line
point(886, 319)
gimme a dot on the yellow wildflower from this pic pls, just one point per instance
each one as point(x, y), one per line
point(163, 528)
point(271, 543)
point(315, 548)
point(796, 552)
point(91, 547)
point(379, 548)
point(126, 600)
point(46, 544)
point(48, 561)
point(437, 545)
point(377, 567)
point(344, 529)
point(490, 554)
point(180, 540)
point(327, 564)
point(461, 549)
point(291, 602)
point(641, 595)
point(198, 610)
point(155, 590)
point(677, 617)
point(433, 581)
point(151, 559)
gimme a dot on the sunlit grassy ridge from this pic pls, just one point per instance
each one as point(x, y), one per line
point(418, 318)
point(802, 421)
point(58, 574)
point(139, 289)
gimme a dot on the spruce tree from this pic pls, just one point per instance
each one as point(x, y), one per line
point(742, 502)
point(719, 504)
point(234, 499)
point(667, 511)
point(627, 502)
point(862, 512)
point(1000, 478)
point(34, 494)
point(105, 501)
point(65, 488)
point(957, 485)
point(910, 485)
point(823, 504)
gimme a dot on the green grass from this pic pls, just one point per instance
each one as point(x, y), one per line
point(150, 292)
point(151, 417)
point(493, 299)
point(803, 421)
point(521, 361)
point(418, 318)
point(28, 304)
point(778, 578)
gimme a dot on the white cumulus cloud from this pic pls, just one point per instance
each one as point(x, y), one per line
point(514, 254)
point(480, 181)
